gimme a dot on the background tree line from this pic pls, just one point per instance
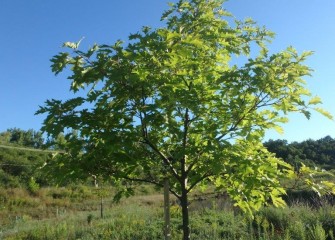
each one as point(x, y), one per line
point(320, 153)
point(17, 165)
point(29, 138)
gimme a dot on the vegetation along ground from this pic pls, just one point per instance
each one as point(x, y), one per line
point(32, 207)
point(75, 213)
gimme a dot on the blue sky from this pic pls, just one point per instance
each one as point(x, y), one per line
point(33, 31)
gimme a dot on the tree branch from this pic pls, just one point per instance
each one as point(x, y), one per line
point(163, 157)
point(253, 107)
point(151, 182)
point(186, 123)
point(198, 181)
point(190, 167)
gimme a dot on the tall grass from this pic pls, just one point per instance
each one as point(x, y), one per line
point(141, 217)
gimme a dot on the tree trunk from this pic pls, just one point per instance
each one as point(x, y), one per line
point(184, 208)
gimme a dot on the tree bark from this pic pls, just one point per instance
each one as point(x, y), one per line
point(184, 208)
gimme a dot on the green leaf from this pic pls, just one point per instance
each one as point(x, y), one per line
point(279, 129)
point(307, 114)
point(315, 100)
point(72, 45)
point(278, 201)
point(59, 62)
point(324, 112)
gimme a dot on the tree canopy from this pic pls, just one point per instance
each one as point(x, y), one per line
point(173, 103)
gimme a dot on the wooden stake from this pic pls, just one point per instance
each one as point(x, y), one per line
point(167, 230)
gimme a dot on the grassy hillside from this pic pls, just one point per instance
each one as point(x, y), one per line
point(18, 165)
point(75, 213)
point(31, 207)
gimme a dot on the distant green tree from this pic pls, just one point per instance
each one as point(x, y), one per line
point(16, 136)
point(171, 104)
point(5, 137)
point(29, 138)
point(279, 147)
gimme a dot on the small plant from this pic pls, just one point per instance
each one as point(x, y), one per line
point(298, 230)
point(33, 186)
point(175, 211)
point(90, 218)
point(317, 232)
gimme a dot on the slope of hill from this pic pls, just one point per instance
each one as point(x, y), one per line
point(19, 164)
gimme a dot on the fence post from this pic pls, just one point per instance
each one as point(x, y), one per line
point(167, 229)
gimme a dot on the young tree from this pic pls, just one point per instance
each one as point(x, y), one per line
point(171, 104)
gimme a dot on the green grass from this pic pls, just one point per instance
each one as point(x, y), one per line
point(74, 213)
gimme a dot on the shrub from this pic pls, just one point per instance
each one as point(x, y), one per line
point(33, 186)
